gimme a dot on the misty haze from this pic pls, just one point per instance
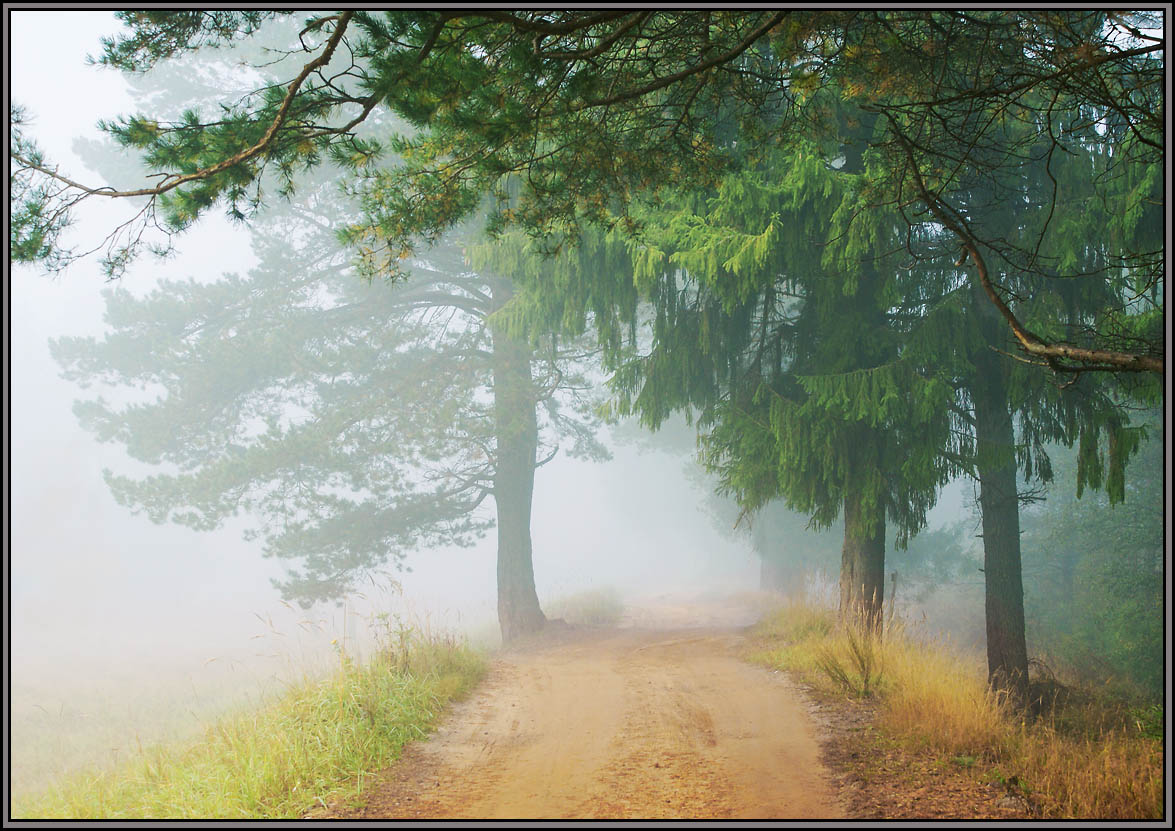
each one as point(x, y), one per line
point(587, 415)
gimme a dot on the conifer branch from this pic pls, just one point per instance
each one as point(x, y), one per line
point(543, 28)
point(1052, 353)
point(668, 80)
point(601, 47)
point(549, 457)
point(173, 180)
point(1080, 64)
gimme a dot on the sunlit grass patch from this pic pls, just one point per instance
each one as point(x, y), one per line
point(1083, 759)
point(593, 607)
point(939, 699)
point(317, 743)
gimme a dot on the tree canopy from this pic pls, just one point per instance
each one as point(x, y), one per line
point(879, 248)
point(584, 111)
point(830, 368)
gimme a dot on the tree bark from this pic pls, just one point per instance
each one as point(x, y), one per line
point(862, 567)
point(516, 430)
point(862, 563)
point(1007, 652)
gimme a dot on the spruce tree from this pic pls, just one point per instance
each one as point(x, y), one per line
point(783, 346)
point(1035, 220)
point(598, 114)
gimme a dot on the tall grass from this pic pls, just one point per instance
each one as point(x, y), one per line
point(318, 743)
point(1079, 760)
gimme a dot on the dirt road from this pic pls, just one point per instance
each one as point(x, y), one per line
point(657, 719)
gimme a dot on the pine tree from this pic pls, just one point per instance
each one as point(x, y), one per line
point(818, 381)
point(351, 423)
point(594, 116)
point(592, 110)
point(1037, 219)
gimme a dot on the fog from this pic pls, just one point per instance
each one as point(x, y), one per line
point(101, 598)
point(117, 624)
point(105, 604)
point(109, 610)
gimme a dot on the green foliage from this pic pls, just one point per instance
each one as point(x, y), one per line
point(1093, 577)
point(160, 35)
point(813, 359)
point(785, 190)
point(35, 225)
point(573, 118)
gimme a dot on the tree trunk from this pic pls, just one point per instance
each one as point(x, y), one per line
point(862, 563)
point(516, 430)
point(1007, 653)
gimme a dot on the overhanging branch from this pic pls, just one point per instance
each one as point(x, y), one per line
point(1052, 353)
point(173, 181)
point(668, 80)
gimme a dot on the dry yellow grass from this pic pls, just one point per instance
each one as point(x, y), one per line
point(1082, 766)
point(937, 697)
point(1116, 776)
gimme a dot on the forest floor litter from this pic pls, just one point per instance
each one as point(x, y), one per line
point(662, 718)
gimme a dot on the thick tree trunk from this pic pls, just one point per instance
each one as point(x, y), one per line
point(516, 428)
point(862, 564)
point(1007, 653)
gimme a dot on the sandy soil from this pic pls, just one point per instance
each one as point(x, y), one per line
point(656, 719)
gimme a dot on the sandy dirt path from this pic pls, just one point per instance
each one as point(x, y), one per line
point(657, 719)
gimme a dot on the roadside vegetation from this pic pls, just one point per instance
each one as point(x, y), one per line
point(1077, 753)
point(317, 743)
